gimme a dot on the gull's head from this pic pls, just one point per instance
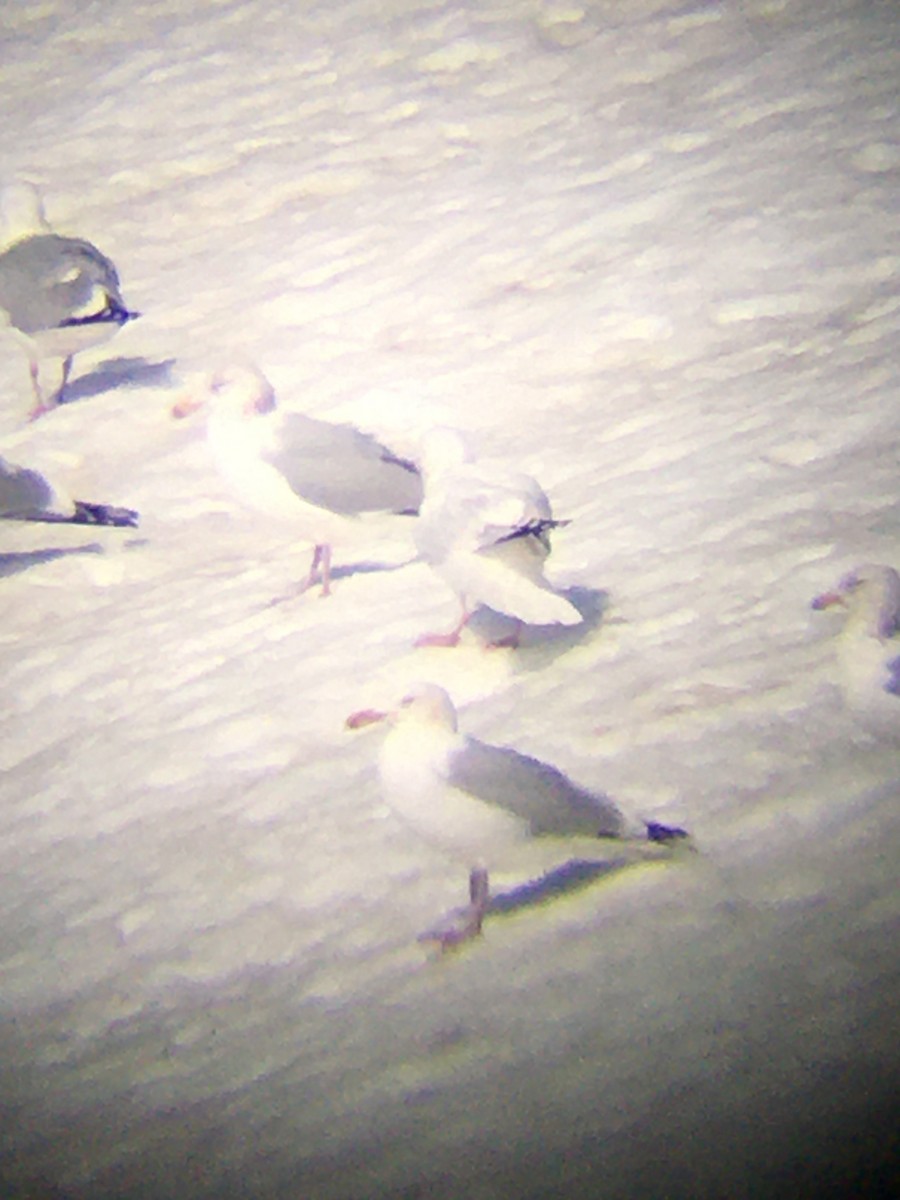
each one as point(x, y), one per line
point(426, 707)
point(231, 393)
point(442, 449)
point(871, 593)
point(21, 213)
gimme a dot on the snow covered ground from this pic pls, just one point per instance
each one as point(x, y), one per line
point(647, 251)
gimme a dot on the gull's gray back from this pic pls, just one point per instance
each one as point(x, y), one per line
point(44, 279)
point(343, 470)
point(534, 791)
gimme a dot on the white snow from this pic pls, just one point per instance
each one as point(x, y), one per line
point(648, 253)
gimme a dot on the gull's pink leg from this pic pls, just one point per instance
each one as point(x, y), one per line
point(446, 639)
point(321, 558)
point(469, 919)
point(67, 367)
point(324, 555)
point(41, 406)
point(313, 574)
point(479, 897)
point(45, 406)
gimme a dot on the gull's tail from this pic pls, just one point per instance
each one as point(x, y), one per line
point(532, 604)
point(657, 832)
point(86, 514)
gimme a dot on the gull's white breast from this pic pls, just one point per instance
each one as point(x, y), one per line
point(415, 768)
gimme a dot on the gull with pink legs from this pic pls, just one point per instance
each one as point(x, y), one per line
point(58, 295)
point(486, 534)
point(325, 482)
point(492, 807)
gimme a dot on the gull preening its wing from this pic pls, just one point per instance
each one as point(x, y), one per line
point(482, 804)
point(28, 495)
point(486, 533)
point(869, 643)
point(321, 480)
point(58, 295)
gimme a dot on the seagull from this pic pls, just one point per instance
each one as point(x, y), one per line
point(869, 646)
point(483, 804)
point(27, 495)
point(322, 479)
point(58, 295)
point(487, 535)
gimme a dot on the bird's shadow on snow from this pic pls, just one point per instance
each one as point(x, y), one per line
point(571, 877)
point(301, 588)
point(538, 645)
point(13, 564)
point(368, 568)
point(119, 373)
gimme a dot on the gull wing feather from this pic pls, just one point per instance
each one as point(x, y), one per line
point(475, 511)
point(23, 491)
point(47, 278)
point(342, 469)
point(533, 791)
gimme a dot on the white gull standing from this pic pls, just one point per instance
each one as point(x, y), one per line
point(321, 479)
point(869, 645)
point(490, 806)
point(486, 534)
point(58, 295)
point(28, 495)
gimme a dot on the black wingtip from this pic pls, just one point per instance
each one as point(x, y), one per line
point(112, 314)
point(537, 528)
point(104, 514)
point(388, 456)
point(657, 832)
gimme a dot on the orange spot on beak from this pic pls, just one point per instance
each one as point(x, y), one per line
point(365, 716)
point(186, 406)
point(828, 600)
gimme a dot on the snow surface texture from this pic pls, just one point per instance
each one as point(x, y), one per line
point(646, 252)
